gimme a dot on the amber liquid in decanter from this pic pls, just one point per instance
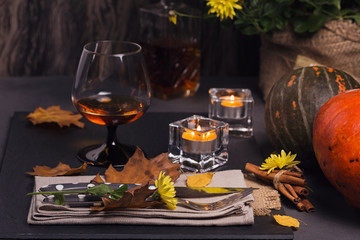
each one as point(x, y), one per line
point(173, 67)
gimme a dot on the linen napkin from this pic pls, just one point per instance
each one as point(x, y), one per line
point(240, 213)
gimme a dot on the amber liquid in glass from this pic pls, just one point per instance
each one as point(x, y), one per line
point(111, 109)
point(174, 67)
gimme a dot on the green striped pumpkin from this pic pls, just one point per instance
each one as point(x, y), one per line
point(293, 103)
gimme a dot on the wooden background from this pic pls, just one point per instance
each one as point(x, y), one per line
point(45, 37)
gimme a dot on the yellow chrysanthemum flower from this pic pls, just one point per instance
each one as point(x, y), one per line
point(166, 190)
point(279, 161)
point(172, 16)
point(223, 8)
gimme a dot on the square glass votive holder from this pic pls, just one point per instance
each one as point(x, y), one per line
point(199, 144)
point(234, 106)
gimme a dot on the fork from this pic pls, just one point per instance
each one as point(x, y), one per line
point(215, 205)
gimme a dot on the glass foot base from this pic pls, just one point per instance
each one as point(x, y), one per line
point(103, 155)
point(200, 163)
point(236, 131)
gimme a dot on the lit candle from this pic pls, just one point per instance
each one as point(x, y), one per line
point(231, 101)
point(198, 141)
point(198, 135)
point(232, 107)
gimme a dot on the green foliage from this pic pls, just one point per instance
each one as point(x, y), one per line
point(118, 193)
point(59, 198)
point(302, 16)
point(99, 190)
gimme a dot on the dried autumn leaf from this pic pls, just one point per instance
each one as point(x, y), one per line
point(141, 170)
point(199, 180)
point(55, 114)
point(60, 170)
point(97, 179)
point(133, 198)
point(286, 221)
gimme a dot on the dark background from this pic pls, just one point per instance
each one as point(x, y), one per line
point(43, 38)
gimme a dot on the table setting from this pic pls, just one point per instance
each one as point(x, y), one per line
point(108, 72)
point(28, 146)
point(190, 144)
point(47, 144)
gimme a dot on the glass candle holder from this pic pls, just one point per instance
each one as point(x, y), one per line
point(235, 107)
point(199, 144)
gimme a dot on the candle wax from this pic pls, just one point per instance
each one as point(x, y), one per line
point(231, 101)
point(193, 135)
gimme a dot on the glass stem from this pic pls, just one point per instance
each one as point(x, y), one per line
point(111, 137)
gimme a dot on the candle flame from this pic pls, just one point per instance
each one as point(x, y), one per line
point(198, 128)
point(207, 135)
point(232, 98)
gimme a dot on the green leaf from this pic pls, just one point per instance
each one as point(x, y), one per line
point(59, 198)
point(249, 30)
point(281, 24)
point(102, 189)
point(270, 8)
point(337, 3)
point(309, 24)
point(283, 1)
point(317, 11)
point(239, 21)
point(300, 25)
point(287, 12)
point(267, 24)
point(356, 17)
point(119, 193)
point(316, 22)
point(347, 11)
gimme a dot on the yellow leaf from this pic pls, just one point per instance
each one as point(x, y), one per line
point(55, 114)
point(286, 221)
point(199, 180)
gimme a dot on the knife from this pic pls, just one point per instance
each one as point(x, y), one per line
point(184, 192)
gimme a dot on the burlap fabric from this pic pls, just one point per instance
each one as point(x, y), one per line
point(336, 45)
point(266, 197)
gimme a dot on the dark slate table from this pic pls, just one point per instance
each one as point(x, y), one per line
point(333, 218)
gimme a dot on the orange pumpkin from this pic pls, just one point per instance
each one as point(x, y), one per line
point(336, 143)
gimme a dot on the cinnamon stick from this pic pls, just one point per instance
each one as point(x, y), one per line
point(295, 174)
point(308, 205)
point(300, 206)
point(287, 194)
point(292, 191)
point(283, 178)
point(301, 190)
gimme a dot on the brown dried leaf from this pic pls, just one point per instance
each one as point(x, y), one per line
point(141, 170)
point(60, 170)
point(97, 179)
point(55, 114)
point(133, 198)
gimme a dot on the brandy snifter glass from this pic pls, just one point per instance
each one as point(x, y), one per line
point(111, 88)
